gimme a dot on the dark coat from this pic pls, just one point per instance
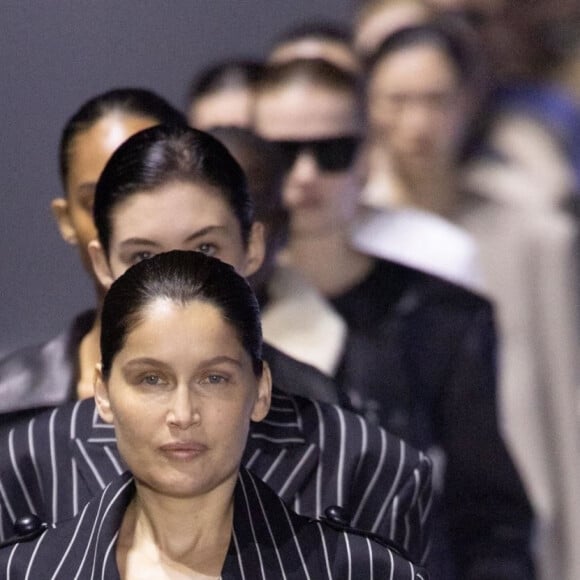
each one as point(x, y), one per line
point(421, 362)
point(268, 541)
point(312, 454)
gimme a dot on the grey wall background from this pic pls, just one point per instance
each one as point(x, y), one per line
point(56, 54)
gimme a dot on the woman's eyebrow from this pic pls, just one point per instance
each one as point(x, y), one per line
point(222, 359)
point(144, 362)
point(205, 231)
point(138, 242)
point(150, 243)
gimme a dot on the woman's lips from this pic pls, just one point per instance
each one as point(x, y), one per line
point(183, 450)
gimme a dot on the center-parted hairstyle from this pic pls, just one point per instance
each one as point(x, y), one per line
point(179, 277)
point(451, 40)
point(167, 154)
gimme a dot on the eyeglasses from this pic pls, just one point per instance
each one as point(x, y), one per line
point(333, 154)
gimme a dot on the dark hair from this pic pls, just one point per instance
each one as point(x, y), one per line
point(163, 154)
point(264, 166)
point(315, 71)
point(180, 277)
point(231, 74)
point(130, 101)
point(317, 30)
point(436, 33)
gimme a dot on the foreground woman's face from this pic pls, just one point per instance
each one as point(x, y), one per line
point(181, 395)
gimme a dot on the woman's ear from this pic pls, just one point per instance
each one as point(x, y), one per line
point(102, 396)
point(59, 207)
point(262, 404)
point(100, 264)
point(256, 249)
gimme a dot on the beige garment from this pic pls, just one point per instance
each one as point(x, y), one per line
point(533, 172)
point(530, 268)
point(301, 323)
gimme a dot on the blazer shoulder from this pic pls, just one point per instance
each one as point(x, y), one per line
point(430, 287)
point(59, 424)
point(357, 553)
point(298, 378)
point(41, 375)
point(324, 547)
point(348, 428)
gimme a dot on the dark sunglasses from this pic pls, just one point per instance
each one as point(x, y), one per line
point(333, 154)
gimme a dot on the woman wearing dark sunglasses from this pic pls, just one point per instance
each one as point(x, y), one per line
point(420, 354)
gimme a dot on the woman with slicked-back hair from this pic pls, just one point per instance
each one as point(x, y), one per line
point(180, 380)
point(176, 188)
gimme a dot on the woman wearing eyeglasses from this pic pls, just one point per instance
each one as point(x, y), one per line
point(419, 358)
point(181, 377)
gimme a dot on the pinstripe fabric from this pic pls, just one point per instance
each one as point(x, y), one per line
point(312, 454)
point(268, 541)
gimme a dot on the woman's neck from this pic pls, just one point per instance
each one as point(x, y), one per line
point(89, 354)
point(328, 261)
point(89, 351)
point(176, 536)
point(433, 190)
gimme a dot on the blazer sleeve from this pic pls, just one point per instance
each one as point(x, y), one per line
point(489, 514)
point(359, 556)
point(394, 493)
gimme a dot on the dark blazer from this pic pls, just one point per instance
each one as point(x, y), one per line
point(312, 454)
point(420, 360)
point(268, 541)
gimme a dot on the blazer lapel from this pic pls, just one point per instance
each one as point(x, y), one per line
point(277, 450)
point(263, 544)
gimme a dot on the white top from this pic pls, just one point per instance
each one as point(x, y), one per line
point(421, 240)
point(300, 322)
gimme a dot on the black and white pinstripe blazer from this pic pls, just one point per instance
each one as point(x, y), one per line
point(313, 455)
point(268, 541)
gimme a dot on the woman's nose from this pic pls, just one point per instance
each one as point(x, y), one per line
point(305, 167)
point(183, 411)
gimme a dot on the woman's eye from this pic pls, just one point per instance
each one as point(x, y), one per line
point(140, 256)
point(207, 249)
point(152, 380)
point(214, 380)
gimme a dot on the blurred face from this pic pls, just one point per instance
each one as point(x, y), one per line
point(319, 199)
point(416, 107)
point(230, 108)
point(176, 216)
point(88, 155)
point(181, 395)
